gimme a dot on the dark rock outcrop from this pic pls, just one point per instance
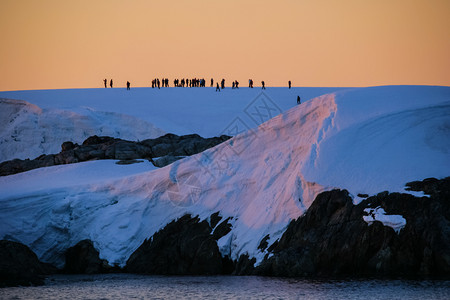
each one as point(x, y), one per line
point(167, 148)
point(184, 247)
point(222, 229)
point(263, 244)
point(332, 239)
point(20, 266)
point(215, 219)
point(244, 265)
point(83, 258)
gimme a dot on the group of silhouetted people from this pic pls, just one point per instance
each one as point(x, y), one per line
point(184, 82)
point(194, 82)
point(164, 82)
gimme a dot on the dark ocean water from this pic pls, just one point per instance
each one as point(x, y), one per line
point(128, 286)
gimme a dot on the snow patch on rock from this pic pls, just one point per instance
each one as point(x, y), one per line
point(396, 222)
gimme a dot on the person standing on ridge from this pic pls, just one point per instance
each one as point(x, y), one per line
point(298, 99)
point(105, 81)
point(128, 85)
point(212, 82)
point(111, 83)
point(289, 84)
point(263, 85)
point(217, 88)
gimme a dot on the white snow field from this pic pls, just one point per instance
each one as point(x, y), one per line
point(47, 118)
point(366, 140)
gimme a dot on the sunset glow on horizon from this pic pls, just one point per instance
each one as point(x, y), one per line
point(52, 44)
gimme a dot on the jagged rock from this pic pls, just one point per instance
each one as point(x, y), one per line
point(428, 186)
point(83, 258)
point(95, 140)
point(182, 145)
point(263, 244)
point(332, 239)
point(162, 149)
point(215, 219)
point(66, 146)
point(128, 150)
point(183, 247)
point(169, 148)
point(20, 266)
point(222, 229)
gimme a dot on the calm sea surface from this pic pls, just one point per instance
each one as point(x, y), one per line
point(127, 286)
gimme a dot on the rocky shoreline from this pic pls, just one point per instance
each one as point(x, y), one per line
point(331, 239)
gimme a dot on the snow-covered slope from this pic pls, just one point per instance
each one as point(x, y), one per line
point(366, 140)
point(383, 137)
point(28, 131)
point(45, 119)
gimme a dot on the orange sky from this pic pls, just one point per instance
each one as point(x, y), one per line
point(47, 44)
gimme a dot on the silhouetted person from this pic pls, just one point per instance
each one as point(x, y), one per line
point(223, 83)
point(105, 82)
point(212, 82)
point(111, 83)
point(236, 84)
point(233, 84)
point(263, 85)
point(128, 85)
point(217, 88)
point(289, 84)
point(298, 99)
